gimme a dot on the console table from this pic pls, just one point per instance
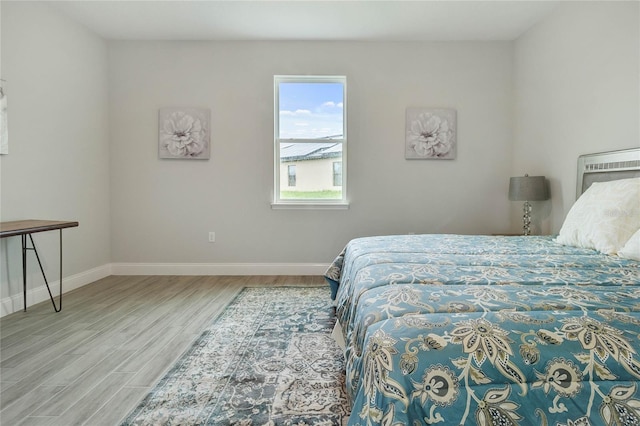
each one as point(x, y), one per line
point(26, 228)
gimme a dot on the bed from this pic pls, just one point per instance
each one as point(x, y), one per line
point(504, 330)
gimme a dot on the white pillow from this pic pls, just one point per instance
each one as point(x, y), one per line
point(631, 250)
point(604, 217)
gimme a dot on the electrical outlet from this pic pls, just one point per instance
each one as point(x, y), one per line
point(212, 237)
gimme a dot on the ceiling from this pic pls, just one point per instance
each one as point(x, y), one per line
point(363, 20)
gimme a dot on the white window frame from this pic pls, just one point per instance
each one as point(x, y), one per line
point(308, 203)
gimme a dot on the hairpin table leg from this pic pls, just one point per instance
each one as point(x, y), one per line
point(24, 269)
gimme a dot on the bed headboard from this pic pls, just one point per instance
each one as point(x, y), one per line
point(606, 166)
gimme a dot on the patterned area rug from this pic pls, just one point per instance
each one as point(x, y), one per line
point(268, 359)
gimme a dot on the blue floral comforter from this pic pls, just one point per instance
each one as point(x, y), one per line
point(457, 330)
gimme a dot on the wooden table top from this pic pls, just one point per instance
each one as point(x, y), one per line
point(29, 226)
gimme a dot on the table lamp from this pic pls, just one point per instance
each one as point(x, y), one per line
point(527, 188)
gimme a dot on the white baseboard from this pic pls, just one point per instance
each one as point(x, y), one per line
point(219, 268)
point(11, 304)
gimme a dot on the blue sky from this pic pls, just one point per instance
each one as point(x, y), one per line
point(310, 110)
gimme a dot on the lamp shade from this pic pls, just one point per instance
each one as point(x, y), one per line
point(528, 188)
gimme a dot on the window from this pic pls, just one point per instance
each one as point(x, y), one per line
point(310, 140)
point(337, 173)
point(292, 175)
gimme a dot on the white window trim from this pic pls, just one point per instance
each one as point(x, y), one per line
point(309, 205)
point(277, 202)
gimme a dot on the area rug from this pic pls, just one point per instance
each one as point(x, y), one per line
point(268, 359)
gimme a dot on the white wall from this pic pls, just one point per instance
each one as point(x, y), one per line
point(162, 210)
point(577, 87)
point(58, 166)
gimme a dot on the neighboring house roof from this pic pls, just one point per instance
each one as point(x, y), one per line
point(310, 151)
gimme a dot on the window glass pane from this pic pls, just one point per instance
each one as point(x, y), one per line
point(311, 110)
point(314, 172)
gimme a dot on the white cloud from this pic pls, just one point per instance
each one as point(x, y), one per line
point(296, 112)
point(331, 104)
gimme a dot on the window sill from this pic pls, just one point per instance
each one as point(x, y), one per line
point(310, 206)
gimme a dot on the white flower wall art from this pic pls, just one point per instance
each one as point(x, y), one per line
point(184, 133)
point(430, 134)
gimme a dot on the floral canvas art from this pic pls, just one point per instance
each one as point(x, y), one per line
point(184, 133)
point(430, 134)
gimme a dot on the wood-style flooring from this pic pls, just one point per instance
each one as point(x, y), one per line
point(93, 362)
